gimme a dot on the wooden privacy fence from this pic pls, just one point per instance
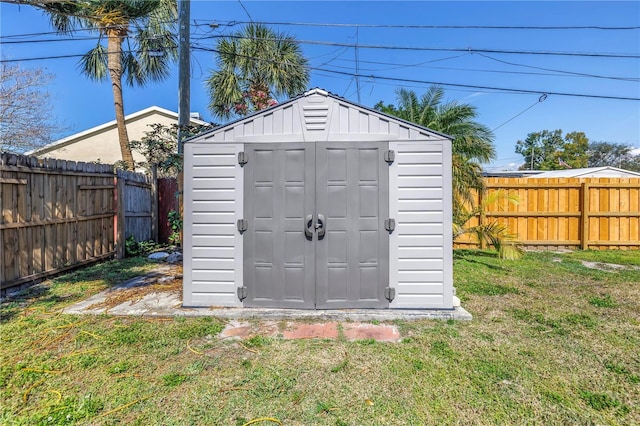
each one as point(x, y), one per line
point(167, 202)
point(57, 215)
point(138, 211)
point(594, 213)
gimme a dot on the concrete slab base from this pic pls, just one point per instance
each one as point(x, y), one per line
point(170, 304)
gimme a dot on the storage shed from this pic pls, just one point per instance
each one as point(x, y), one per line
point(318, 203)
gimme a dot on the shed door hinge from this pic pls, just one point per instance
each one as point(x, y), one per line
point(242, 158)
point(390, 293)
point(242, 293)
point(389, 156)
point(390, 225)
point(242, 225)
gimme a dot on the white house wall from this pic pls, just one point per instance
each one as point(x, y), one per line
point(420, 247)
point(212, 204)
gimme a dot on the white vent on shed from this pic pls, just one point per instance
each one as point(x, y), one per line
point(315, 116)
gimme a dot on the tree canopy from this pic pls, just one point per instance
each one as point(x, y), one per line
point(613, 154)
point(256, 65)
point(26, 113)
point(144, 27)
point(159, 146)
point(550, 150)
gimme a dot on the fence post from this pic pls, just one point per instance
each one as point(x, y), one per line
point(120, 184)
point(481, 218)
point(584, 217)
point(154, 203)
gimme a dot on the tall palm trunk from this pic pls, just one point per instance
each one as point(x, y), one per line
point(114, 64)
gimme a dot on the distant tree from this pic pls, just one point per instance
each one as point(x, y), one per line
point(145, 27)
point(26, 113)
point(549, 150)
point(159, 146)
point(603, 154)
point(255, 66)
point(472, 143)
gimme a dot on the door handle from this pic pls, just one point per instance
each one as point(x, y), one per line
point(320, 226)
point(308, 228)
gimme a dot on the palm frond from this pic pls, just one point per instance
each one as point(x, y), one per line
point(255, 59)
point(94, 63)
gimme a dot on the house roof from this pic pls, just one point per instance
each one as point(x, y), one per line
point(511, 173)
point(604, 172)
point(107, 126)
point(309, 93)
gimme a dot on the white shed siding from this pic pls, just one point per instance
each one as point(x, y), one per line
point(212, 204)
point(420, 247)
point(420, 261)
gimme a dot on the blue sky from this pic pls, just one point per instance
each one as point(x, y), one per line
point(81, 103)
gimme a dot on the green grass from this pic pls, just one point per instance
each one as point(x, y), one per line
point(551, 342)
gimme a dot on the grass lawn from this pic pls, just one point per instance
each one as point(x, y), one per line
point(551, 342)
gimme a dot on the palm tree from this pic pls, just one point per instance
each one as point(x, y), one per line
point(255, 65)
point(472, 144)
point(145, 27)
point(492, 233)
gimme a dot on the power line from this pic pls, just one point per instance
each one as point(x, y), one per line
point(245, 10)
point(469, 50)
point(50, 40)
point(378, 77)
point(448, 49)
point(540, 100)
point(395, 64)
point(558, 72)
point(503, 89)
point(4, 61)
point(439, 27)
point(406, 80)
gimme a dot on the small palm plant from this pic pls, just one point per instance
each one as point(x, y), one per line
point(490, 234)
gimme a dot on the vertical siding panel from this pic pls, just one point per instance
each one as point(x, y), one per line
point(354, 120)
point(344, 119)
point(423, 239)
point(203, 287)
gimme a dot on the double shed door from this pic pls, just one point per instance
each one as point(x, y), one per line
point(315, 233)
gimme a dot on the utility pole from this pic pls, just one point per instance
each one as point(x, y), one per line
point(533, 150)
point(184, 71)
point(184, 93)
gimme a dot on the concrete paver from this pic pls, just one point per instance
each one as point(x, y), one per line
point(377, 332)
point(327, 330)
point(290, 330)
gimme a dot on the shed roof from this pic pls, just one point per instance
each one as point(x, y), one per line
point(315, 115)
point(604, 172)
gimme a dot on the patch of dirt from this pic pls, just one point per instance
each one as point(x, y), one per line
point(132, 291)
point(608, 267)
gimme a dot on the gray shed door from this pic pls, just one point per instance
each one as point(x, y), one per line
point(315, 234)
